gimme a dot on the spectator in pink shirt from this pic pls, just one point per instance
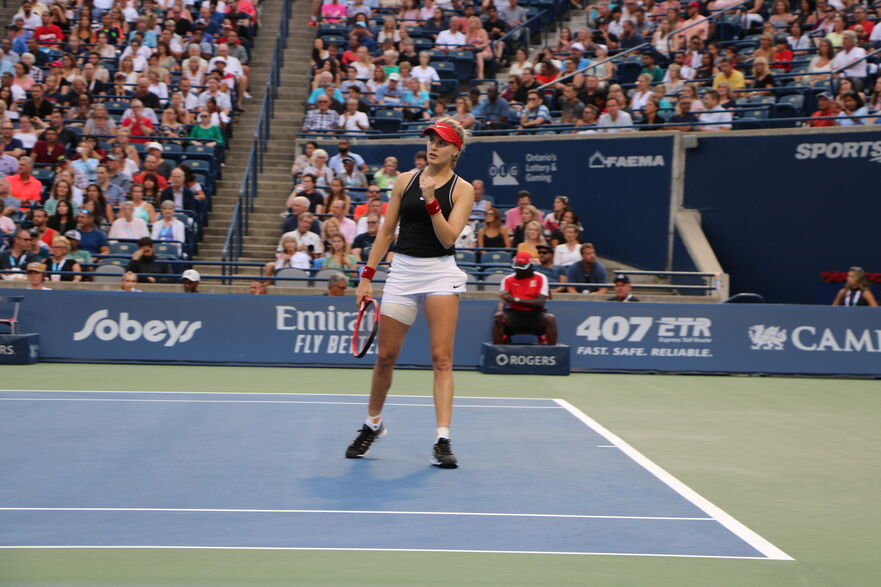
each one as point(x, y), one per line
point(513, 217)
point(333, 11)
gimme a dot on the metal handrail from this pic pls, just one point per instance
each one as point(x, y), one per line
point(594, 64)
point(238, 227)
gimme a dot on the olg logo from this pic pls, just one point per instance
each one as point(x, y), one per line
point(502, 173)
point(166, 331)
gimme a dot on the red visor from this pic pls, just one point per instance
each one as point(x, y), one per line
point(446, 132)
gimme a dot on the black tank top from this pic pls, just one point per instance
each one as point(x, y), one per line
point(416, 234)
point(494, 242)
point(855, 297)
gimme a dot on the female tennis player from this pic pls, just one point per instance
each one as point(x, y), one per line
point(432, 205)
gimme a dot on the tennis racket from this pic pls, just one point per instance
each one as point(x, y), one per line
point(366, 325)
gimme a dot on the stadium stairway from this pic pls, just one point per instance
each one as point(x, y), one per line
point(275, 181)
point(7, 11)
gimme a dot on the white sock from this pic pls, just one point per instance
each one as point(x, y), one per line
point(375, 422)
point(443, 432)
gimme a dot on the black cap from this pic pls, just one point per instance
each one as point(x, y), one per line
point(543, 248)
point(622, 278)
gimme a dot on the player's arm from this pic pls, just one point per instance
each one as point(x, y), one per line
point(870, 297)
point(447, 230)
point(839, 297)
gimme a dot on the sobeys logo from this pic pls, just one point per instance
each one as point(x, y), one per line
point(167, 332)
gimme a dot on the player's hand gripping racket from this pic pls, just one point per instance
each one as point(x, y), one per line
point(367, 320)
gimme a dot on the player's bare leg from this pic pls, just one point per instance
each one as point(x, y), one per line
point(442, 313)
point(389, 343)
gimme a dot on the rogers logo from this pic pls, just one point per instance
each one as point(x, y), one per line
point(108, 329)
point(503, 360)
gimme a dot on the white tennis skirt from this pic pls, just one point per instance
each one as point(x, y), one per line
point(412, 276)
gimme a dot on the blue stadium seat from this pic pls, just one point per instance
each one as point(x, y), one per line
point(388, 120)
point(465, 256)
point(174, 150)
point(420, 33)
point(124, 249)
point(463, 61)
point(46, 175)
point(449, 79)
point(338, 40)
point(116, 269)
point(422, 44)
point(790, 106)
point(200, 151)
point(495, 257)
point(208, 186)
point(168, 250)
point(335, 28)
point(751, 119)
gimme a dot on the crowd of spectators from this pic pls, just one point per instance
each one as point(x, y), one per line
point(697, 67)
point(113, 120)
point(333, 224)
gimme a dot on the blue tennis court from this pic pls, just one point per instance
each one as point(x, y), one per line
point(230, 470)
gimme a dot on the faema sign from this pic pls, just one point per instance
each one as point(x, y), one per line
point(600, 161)
point(315, 330)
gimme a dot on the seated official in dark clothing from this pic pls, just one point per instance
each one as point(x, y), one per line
point(522, 300)
point(588, 270)
point(623, 290)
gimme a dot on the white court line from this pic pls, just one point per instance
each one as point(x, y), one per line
point(252, 401)
point(368, 512)
point(737, 528)
point(364, 395)
point(314, 548)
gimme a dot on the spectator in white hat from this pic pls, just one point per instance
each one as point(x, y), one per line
point(191, 279)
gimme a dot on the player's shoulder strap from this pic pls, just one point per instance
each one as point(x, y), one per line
point(412, 179)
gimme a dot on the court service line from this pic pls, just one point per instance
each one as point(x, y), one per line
point(727, 520)
point(252, 401)
point(343, 549)
point(256, 393)
point(352, 512)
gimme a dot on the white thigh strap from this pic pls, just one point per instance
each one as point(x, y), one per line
point(403, 313)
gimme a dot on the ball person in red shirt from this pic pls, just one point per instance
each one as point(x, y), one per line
point(522, 304)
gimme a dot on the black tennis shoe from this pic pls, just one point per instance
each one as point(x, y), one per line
point(366, 437)
point(443, 455)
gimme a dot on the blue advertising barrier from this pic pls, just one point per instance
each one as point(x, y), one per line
point(19, 349)
point(525, 359)
point(619, 187)
point(316, 330)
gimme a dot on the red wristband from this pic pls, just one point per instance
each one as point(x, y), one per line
point(433, 207)
point(368, 273)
